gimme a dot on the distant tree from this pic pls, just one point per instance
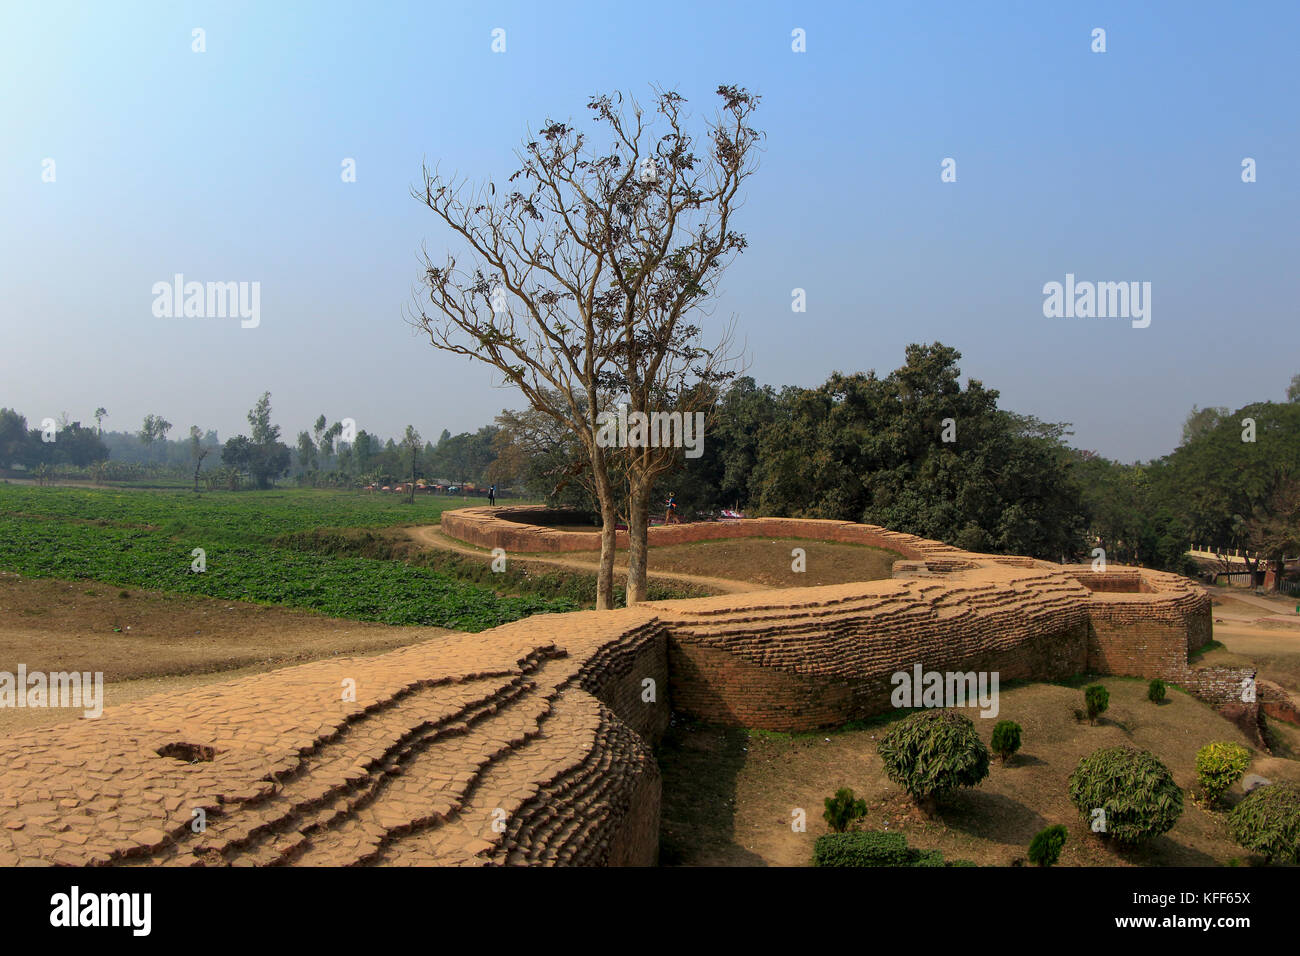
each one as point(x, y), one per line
point(916, 452)
point(1228, 483)
point(100, 414)
point(363, 450)
point(306, 452)
point(76, 445)
point(153, 430)
point(1293, 390)
point(198, 451)
point(1201, 421)
point(13, 438)
point(1273, 529)
point(328, 437)
point(259, 418)
point(545, 456)
point(411, 441)
point(263, 457)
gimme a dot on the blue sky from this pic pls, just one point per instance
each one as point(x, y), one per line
point(225, 165)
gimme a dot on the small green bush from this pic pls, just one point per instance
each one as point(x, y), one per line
point(842, 809)
point(1136, 791)
point(1219, 766)
point(932, 753)
point(1268, 822)
point(928, 858)
point(872, 848)
point(863, 848)
point(1006, 738)
point(1096, 699)
point(1156, 691)
point(1045, 848)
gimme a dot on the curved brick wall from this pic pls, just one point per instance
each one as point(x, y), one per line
point(533, 742)
point(491, 528)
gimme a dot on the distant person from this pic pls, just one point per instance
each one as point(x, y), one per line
point(492, 495)
point(670, 517)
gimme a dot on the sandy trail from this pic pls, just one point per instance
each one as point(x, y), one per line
point(431, 536)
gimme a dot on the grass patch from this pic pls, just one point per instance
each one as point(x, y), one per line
point(146, 539)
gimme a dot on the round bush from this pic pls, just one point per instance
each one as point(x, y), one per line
point(1045, 848)
point(1006, 738)
point(1156, 691)
point(932, 753)
point(1219, 766)
point(1268, 822)
point(842, 809)
point(1096, 699)
point(1134, 789)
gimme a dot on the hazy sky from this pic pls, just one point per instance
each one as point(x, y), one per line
point(225, 166)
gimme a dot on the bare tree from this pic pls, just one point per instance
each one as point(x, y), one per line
point(582, 273)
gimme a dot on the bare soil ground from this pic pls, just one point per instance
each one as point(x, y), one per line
point(767, 561)
point(729, 794)
point(1253, 634)
point(147, 642)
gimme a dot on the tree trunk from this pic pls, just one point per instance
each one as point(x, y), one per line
point(638, 521)
point(608, 538)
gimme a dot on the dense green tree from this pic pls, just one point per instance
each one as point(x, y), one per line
point(13, 437)
point(263, 457)
point(917, 452)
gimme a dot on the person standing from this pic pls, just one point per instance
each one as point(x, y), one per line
point(492, 496)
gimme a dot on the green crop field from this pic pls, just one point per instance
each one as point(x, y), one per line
point(146, 539)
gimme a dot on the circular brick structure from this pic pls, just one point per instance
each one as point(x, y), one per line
point(533, 742)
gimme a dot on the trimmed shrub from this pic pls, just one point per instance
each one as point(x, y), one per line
point(842, 809)
point(1006, 738)
point(1045, 848)
point(1134, 790)
point(1095, 699)
point(1156, 691)
point(863, 848)
point(928, 858)
point(871, 848)
point(1219, 766)
point(1268, 822)
point(932, 753)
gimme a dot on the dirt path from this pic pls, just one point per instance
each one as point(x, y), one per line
point(1277, 607)
point(431, 536)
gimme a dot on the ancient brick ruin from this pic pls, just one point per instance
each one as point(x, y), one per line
point(534, 742)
